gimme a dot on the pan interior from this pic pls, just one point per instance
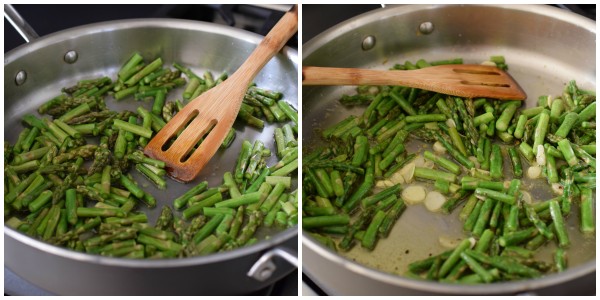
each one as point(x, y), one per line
point(103, 48)
point(417, 233)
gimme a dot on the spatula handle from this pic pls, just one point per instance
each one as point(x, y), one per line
point(349, 76)
point(270, 45)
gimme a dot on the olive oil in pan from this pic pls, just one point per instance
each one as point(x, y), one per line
point(419, 233)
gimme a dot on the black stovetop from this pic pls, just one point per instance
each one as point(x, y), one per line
point(15, 285)
point(46, 18)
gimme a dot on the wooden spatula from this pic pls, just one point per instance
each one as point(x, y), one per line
point(217, 109)
point(459, 80)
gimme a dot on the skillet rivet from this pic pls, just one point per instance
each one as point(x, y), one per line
point(426, 27)
point(71, 57)
point(266, 273)
point(21, 77)
point(368, 43)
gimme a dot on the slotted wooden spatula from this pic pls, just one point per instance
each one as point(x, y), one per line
point(216, 109)
point(459, 80)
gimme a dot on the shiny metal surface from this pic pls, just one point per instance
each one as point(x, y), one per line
point(17, 21)
point(264, 268)
point(102, 48)
point(368, 43)
point(337, 275)
point(544, 47)
point(21, 77)
point(71, 57)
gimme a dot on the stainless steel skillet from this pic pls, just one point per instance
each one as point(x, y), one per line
point(544, 47)
point(101, 49)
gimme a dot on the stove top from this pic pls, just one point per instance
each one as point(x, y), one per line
point(255, 18)
point(14, 285)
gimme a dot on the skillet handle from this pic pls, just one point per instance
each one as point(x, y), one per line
point(20, 25)
point(264, 267)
